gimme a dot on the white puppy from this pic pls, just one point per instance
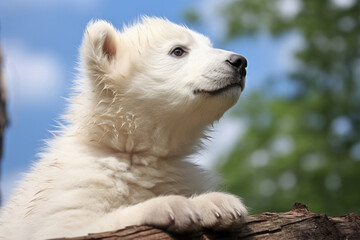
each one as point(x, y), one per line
point(143, 100)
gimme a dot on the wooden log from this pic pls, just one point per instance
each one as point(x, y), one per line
point(299, 224)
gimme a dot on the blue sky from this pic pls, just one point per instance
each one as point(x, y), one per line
point(40, 41)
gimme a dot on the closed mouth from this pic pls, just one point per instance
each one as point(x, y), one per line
point(217, 91)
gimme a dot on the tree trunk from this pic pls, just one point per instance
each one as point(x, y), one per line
point(299, 224)
point(3, 116)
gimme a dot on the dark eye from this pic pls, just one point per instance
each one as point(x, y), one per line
point(177, 52)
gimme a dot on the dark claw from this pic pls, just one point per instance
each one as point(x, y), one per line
point(192, 219)
point(238, 213)
point(172, 217)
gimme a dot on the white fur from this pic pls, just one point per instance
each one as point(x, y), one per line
point(133, 119)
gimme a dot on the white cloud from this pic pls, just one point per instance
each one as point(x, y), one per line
point(31, 77)
point(225, 136)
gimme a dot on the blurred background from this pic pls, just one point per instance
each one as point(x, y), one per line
point(293, 136)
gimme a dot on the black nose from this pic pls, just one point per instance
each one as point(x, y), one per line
point(238, 62)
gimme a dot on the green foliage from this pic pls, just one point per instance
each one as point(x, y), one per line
point(305, 146)
point(191, 16)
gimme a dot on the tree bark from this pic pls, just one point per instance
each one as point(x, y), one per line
point(299, 224)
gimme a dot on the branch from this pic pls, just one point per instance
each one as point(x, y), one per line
point(299, 224)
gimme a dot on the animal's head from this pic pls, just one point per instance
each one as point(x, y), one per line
point(158, 70)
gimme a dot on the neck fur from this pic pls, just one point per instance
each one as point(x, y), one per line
point(106, 121)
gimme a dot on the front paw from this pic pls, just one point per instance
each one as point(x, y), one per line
point(220, 210)
point(174, 213)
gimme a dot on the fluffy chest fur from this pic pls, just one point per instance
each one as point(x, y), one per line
point(85, 182)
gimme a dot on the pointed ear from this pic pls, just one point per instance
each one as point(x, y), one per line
point(99, 48)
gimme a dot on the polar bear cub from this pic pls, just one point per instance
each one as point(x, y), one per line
point(143, 100)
